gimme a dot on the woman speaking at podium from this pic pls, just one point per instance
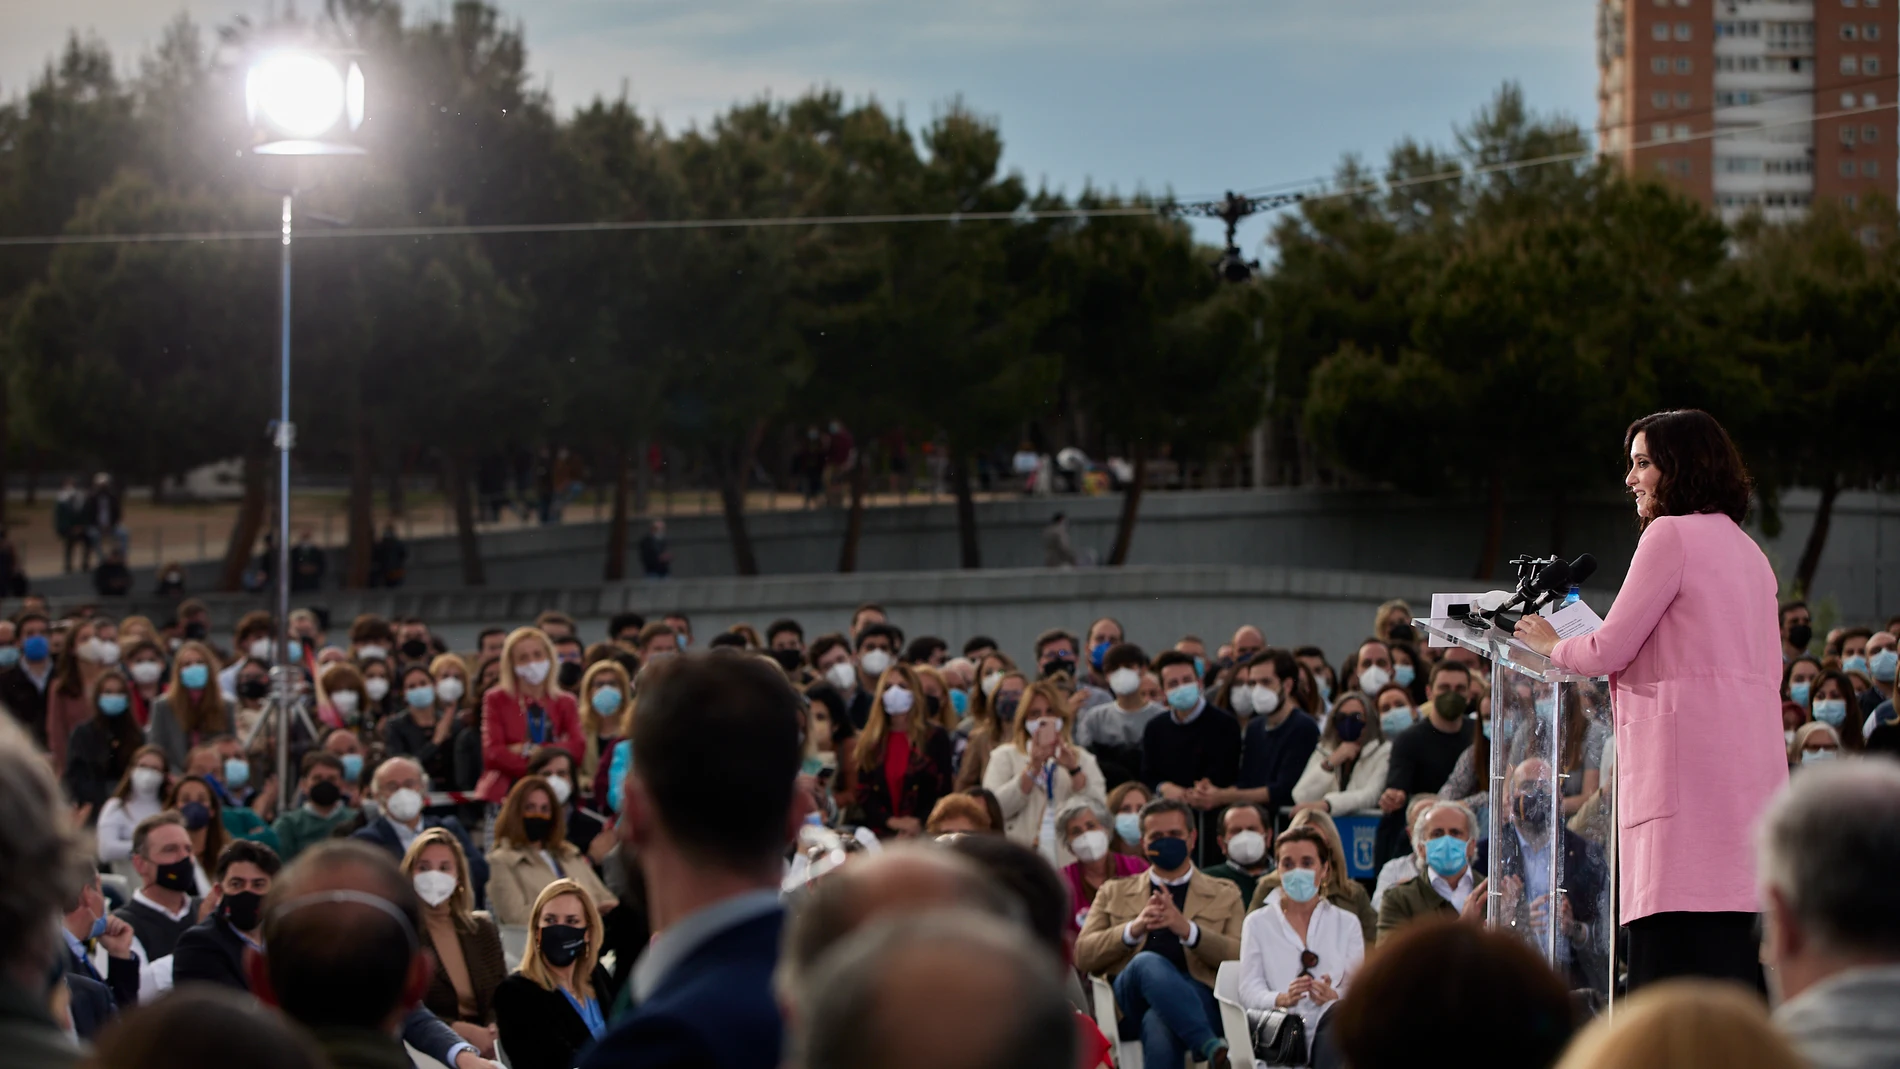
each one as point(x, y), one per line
point(1694, 660)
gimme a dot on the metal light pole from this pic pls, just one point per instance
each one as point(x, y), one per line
point(285, 436)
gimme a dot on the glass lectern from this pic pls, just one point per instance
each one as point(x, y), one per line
point(1548, 844)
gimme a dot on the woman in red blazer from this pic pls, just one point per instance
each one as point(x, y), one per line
point(526, 711)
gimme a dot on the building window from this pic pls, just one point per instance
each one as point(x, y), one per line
point(1684, 66)
point(1849, 31)
point(1847, 100)
point(1869, 169)
point(1683, 100)
point(1682, 167)
point(1844, 3)
point(1850, 65)
point(1870, 64)
point(1660, 31)
point(1870, 32)
point(1659, 100)
point(1682, 131)
point(1850, 200)
point(1662, 166)
point(1659, 132)
point(1741, 165)
point(1847, 168)
point(1847, 135)
point(1683, 31)
point(1869, 134)
point(1659, 65)
point(1868, 100)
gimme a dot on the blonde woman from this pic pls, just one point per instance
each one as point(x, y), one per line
point(526, 711)
point(469, 961)
point(531, 851)
point(990, 722)
point(1684, 1024)
point(192, 709)
point(1039, 770)
point(1337, 887)
point(903, 758)
point(936, 697)
point(606, 692)
point(555, 1005)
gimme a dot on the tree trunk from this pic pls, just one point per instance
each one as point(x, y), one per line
point(972, 556)
point(1493, 527)
point(854, 517)
point(1131, 508)
point(731, 473)
point(6, 432)
point(616, 569)
point(455, 474)
point(362, 522)
point(1817, 538)
point(247, 523)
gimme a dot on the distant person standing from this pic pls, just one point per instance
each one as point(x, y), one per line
point(388, 559)
point(105, 515)
point(655, 559)
point(12, 576)
point(112, 579)
point(841, 455)
point(1057, 552)
point(307, 563)
point(69, 523)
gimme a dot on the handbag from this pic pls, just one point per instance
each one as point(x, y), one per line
point(1279, 1037)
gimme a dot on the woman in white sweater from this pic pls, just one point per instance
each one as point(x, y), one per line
point(136, 798)
point(1039, 770)
point(1346, 772)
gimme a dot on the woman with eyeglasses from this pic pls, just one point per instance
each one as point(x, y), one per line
point(1299, 952)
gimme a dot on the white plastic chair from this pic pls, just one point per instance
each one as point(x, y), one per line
point(501, 1057)
point(514, 943)
point(421, 1060)
point(117, 882)
point(1233, 1017)
point(1127, 1054)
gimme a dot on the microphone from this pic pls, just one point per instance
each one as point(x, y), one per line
point(1557, 579)
point(1582, 568)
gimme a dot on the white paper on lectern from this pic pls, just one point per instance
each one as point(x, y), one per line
point(1441, 609)
point(1573, 619)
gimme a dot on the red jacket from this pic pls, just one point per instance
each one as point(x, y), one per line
point(505, 728)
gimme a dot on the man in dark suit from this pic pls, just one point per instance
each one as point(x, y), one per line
point(23, 686)
point(1525, 856)
point(709, 810)
point(91, 1005)
point(90, 921)
point(213, 951)
point(398, 787)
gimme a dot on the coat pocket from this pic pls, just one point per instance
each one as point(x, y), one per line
point(1646, 769)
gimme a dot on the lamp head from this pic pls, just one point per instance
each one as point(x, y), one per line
point(305, 103)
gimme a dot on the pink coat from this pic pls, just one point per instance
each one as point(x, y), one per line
point(1694, 660)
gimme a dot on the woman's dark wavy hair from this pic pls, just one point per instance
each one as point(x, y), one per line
point(1699, 467)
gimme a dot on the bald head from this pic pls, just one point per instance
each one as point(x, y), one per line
point(1248, 640)
point(902, 879)
point(950, 989)
point(340, 939)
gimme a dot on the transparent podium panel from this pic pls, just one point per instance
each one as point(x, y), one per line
point(1546, 849)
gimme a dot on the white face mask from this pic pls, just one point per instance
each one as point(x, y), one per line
point(260, 650)
point(375, 688)
point(1090, 845)
point(147, 781)
point(107, 651)
point(995, 679)
point(1373, 678)
point(405, 805)
point(147, 672)
point(434, 887)
point(1266, 700)
point(898, 701)
point(371, 653)
point(875, 662)
point(1121, 682)
point(1034, 727)
point(562, 789)
point(842, 675)
point(1241, 697)
point(345, 701)
point(534, 673)
point(1247, 847)
point(449, 689)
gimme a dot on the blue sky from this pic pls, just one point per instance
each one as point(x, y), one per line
point(1195, 96)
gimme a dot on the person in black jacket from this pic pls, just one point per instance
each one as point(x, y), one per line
point(898, 729)
point(397, 786)
point(213, 951)
point(89, 922)
point(425, 728)
point(23, 686)
point(555, 1004)
point(1193, 753)
point(101, 747)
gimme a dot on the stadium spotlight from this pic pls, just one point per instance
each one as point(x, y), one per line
point(305, 104)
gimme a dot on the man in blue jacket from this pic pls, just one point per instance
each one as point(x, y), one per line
point(709, 810)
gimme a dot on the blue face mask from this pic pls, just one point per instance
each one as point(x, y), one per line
point(960, 701)
point(98, 929)
point(34, 648)
point(194, 676)
point(1325, 688)
point(679, 640)
point(353, 767)
point(1393, 721)
point(1097, 652)
point(1830, 711)
point(296, 650)
point(1798, 692)
point(1128, 827)
point(1168, 854)
point(1884, 665)
point(1856, 663)
point(113, 704)
point(1183, 697)
point(9, 656)
point(237, 772)
point(1403, 674)
point(1300, 884)
point(1446, 855)
point(422, 697)
point(1200, 668)
point(1546, 707)
point(605, 700)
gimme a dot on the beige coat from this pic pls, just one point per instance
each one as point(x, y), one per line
point(1212, 903)
point(516, 876)
point(1023, 811)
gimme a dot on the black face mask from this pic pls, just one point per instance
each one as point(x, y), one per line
point(415, 649)
point(195, 631)
point(790, 660)
point(177, 876)
point(242, 910)
point(562, 944)
point(1055, 666)
point(570, 674)
point(1533, 810)
point(1800, 635)
point(933, 705)
point(325, 793)
point(252, 690)
point(538, 828)
point(1006, 709)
